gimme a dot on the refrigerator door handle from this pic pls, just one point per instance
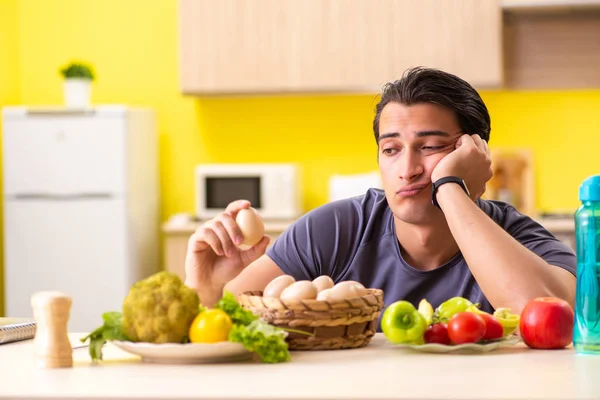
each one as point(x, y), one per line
point(61, 197)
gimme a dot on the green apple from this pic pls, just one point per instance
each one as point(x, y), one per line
point(403, 323)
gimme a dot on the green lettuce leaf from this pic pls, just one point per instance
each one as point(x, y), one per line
point(238, 315)
point(257, 335)
point(265, 340)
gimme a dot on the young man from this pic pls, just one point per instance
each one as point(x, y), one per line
point(426, 235)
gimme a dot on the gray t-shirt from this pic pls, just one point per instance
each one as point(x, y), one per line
point(355, 239)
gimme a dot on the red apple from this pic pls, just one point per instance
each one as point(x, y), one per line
point(547, 323)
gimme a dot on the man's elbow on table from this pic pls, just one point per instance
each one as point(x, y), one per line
point(560, 283)
point(556, 282)
point(565, 284)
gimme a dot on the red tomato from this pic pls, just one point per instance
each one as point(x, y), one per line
point(493, 327)
point(466, 327)
point(437, 333)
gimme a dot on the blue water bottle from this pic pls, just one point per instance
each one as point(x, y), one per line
point(586, 332)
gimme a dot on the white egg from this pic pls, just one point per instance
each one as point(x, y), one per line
point(276, 286)
point(346, 290)
point(323, 282)
point(324, 294)
point(251, 225)
point(301, 290)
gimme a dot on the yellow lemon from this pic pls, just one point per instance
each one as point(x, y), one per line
point(508, 320)
point(426, 311)
point(210, 326)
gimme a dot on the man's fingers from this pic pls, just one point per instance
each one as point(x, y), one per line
point(478, 142)
point(463, 140)
point(486, 147)
point(221, 233)
point(196, 241)
point(256, 251)
point(235, 206)
point(227, 246)
point(232, 228)
point(205, 237)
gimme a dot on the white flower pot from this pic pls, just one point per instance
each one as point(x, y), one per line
point(77, 92)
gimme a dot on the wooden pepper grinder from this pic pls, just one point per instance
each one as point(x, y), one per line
point(52, 346)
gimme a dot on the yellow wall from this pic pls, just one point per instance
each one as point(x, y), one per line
point(133, 46)
point(9, 71)
point(563, 130)
point(9, 86)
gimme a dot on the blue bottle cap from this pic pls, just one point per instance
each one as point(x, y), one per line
point(590, 189)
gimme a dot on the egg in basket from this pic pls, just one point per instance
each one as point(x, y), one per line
point(318, 314)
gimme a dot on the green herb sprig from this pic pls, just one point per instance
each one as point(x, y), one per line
point(110, 330)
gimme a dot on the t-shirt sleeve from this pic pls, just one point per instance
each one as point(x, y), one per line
point(318, 243)
point(539, 240)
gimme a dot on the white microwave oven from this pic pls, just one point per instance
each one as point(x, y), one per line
point(272, 189)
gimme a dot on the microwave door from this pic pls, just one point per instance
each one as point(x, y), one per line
point(220, 191)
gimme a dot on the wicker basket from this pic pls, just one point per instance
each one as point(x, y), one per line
point(332, 324)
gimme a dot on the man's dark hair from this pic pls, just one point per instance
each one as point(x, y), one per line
point(426, 85)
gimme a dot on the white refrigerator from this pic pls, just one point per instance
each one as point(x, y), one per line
point(81, 207)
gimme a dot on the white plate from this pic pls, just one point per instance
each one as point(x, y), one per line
point(188, 353)
point(466, 348)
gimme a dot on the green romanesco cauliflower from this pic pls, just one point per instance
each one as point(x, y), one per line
point(159, 309)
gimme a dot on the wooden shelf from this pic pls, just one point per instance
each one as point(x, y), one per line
point(557, 226)
point(547, 5)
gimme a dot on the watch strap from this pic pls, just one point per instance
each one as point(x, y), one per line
point(447, 179)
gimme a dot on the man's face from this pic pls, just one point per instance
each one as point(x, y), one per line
point(412, 140)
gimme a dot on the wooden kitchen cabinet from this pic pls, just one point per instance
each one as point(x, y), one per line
point(461, 37)
point(552, 46)
point(295, 46)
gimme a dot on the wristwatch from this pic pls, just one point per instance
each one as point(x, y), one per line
point(435, 186)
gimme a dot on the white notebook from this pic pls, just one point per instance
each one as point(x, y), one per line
point(15, 329)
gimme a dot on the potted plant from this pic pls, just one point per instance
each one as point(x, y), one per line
point(77, 84)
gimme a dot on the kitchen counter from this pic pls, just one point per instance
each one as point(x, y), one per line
point(187, 226)
point(378, 371)
point(178, 229)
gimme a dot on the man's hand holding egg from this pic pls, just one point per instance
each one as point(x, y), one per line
point(222, 247)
